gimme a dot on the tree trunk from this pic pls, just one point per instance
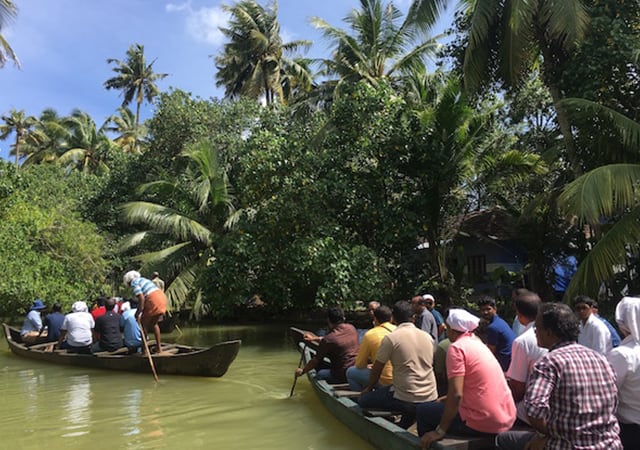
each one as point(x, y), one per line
point(17, 147)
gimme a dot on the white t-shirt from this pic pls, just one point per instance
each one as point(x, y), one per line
point(524, 354)
point(625, 360)
point(595, 335)
point(78, 326)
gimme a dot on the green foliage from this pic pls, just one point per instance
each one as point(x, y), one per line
point(48, 250)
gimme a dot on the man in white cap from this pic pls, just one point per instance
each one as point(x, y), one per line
point(478, 401)
point(625, 360)
point(76, 331)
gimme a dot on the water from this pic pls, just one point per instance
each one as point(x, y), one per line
point(52, 407)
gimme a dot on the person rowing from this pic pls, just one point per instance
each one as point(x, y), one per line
point(152, 303)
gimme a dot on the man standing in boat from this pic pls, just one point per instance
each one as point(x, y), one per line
point(152, 303)
point(340, 345)
point(158, 281)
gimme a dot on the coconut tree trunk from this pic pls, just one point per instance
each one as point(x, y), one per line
point(17, 147)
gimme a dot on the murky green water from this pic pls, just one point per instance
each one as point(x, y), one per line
point(53, 407)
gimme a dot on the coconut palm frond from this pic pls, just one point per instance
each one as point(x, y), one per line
point(628, 128)
point(602, 192)
point(600, 263)
point(181, 288)
point(153, 258)
point(132, 240)
point(166, 220)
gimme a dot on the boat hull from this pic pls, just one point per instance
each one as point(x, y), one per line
point(211, 361)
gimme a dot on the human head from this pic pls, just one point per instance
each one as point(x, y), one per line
point(38, 305)
point(371, 307)
point(417, 304)
point(335, 316)
point(156, 274)
point(527, 305)
point(57, 307)
point(382, 314)
point(582, 306)
point(79, 307)
point(402, 312)
point(101, 301)
point(628, 317)
point(556, 323)
point(130, 276)
point(487, 307)
point(429, 301)
point(460, 321)
point(518, 291)
point(109, 304)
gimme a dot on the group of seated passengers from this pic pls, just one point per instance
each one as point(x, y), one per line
point(566, 392)
point(110, 326)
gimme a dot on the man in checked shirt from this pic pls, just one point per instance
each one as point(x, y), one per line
point(571, 396)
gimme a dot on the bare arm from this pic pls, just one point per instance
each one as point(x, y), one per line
point(518, 389)
point(374, 375)
point(454, 397)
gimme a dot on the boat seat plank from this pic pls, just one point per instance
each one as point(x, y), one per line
point(120, 351)
point(451, 442)
point(339, 386)
point(346, 393)
point(380, 413)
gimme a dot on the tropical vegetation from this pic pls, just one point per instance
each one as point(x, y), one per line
point(352, 183)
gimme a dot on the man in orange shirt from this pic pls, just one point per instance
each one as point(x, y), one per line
point(358, 374)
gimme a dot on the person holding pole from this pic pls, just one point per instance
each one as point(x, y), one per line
point(152, 303)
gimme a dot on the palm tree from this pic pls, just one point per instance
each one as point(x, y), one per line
point(379, 44)
point(129, 135)
point(518, 34)
point(254, 62)
point(88, 146)
point(135, 78)
point(21, 126)
point(183, 240)
point(8, 12)
point(49, 139)
point(606, 199)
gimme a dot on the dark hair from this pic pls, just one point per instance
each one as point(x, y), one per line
point(528, 304)
point(560, 320)
point(402, 312)
point(486, 300)
point(101, 300)
point(109, 304)
point(335, 315)
point(382, 314)
point(132, 301)
point(583, 299)
point(57, 307)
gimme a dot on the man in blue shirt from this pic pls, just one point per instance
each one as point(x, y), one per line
point(53, 322)
point(430, 303)
point(500, 336)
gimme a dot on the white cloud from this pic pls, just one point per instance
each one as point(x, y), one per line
point(202, 24)
point(181, 7)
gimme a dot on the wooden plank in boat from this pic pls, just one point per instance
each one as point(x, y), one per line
point(346, 393)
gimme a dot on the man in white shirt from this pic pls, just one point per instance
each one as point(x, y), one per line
point(594, 334)
point(525, 350)
point(625, 360)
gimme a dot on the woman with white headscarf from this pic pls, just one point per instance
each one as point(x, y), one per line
point(75, 332)
point(625, 360)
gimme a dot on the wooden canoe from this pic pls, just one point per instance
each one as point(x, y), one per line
point(376, 427)
point(211, 361)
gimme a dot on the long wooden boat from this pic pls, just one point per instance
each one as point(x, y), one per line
point(376, 427)
point(211, 361)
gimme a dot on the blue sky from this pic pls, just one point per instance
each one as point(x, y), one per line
point(63, 46)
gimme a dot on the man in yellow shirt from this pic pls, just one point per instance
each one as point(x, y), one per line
point(358, 375)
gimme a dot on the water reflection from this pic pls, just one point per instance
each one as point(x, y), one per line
point(131, 409)
point(77, 411)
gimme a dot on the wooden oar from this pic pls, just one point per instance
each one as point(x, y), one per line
point(146, 349)
point(295, 378)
